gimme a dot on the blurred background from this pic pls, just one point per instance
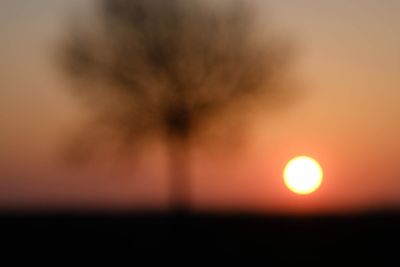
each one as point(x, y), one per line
point(345, 114)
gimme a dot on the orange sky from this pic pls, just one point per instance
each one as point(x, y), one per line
point(347, 118)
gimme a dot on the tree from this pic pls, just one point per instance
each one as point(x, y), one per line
point(170, 67)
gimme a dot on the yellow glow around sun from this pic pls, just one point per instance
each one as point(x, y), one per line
point(303, 175)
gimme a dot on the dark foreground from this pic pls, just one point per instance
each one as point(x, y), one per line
point(334, 239)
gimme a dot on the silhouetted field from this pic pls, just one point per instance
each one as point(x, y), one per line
point(322, 239)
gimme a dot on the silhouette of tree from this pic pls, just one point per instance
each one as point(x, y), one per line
point(169, 67)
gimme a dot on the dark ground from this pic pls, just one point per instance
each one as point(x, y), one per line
point(373, 237)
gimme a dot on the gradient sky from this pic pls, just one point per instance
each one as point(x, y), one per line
point(347, 118)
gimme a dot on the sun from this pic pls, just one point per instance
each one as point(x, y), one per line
point(303, 175)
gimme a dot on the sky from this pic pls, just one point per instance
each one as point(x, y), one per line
point(347, 66)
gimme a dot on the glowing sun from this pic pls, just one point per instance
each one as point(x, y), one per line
point(303, 175)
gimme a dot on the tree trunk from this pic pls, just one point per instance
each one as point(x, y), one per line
point(179, 175)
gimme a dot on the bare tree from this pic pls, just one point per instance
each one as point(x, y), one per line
point(170, 66)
